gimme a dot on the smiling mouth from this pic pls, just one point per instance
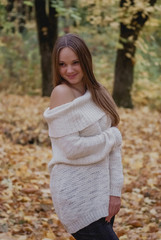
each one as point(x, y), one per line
point(72, 76)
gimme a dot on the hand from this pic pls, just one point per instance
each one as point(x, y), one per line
point(114, 207)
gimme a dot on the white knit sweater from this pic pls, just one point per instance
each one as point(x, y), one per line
point(86, 166)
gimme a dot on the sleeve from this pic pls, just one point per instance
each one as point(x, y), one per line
point(91, 149)
point(116, 171)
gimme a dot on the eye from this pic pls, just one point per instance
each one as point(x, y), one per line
point(76, 62)
point(61, 64)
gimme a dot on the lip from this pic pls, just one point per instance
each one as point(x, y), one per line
point(72, 76)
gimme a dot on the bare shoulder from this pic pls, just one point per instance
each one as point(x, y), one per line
point(60, 95)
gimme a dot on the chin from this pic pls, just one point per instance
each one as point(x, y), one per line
point(74, 82)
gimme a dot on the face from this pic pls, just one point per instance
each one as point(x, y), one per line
point(69, 66)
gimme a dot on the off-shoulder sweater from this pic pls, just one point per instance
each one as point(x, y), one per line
point(86, 166)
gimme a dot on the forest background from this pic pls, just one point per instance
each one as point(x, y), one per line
point(25, 202)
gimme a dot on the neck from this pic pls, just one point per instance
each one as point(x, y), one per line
point(81, 88)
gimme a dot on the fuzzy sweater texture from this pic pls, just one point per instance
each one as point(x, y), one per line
point(86, 166)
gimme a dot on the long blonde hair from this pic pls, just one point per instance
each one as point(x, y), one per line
point(99, 94)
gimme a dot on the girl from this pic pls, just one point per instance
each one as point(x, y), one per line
point(86, 171)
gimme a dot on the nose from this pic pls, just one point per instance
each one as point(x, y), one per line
point(69, 69)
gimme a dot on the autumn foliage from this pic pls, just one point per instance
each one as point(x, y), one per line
point(26, 210)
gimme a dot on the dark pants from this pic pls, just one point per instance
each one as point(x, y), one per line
point(99, 230)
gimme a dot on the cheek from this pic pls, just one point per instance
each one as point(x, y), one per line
point(61, 71)
point(80, 69)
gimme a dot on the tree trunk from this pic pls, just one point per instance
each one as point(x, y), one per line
point(124, 67)
point(47, 26)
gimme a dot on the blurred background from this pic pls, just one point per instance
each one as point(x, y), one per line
point(29, 29)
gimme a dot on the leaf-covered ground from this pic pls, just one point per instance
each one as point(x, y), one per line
point(26, 210)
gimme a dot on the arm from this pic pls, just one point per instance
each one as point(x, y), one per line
point(116, 182)
point(88, 149)
point(116, 172)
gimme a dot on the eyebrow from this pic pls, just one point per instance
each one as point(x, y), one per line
point(72, 60)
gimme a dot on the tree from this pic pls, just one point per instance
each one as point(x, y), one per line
point(134, 17)
point(47, 27)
